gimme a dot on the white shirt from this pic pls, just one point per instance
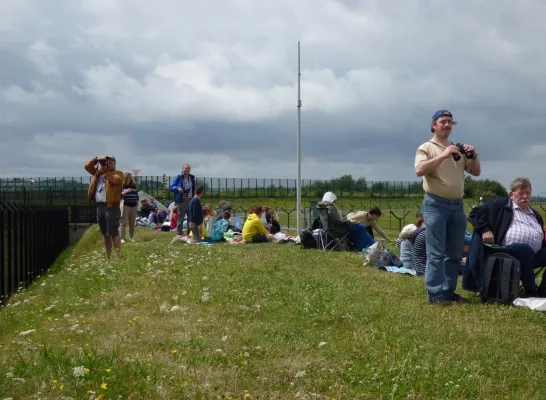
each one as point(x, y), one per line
point(524, 229)
point(100, 191)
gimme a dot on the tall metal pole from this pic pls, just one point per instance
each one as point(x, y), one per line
point(298, 186)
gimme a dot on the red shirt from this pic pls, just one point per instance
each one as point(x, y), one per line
point(174, 220)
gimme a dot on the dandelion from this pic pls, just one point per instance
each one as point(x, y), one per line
point(174, 351)
point(103, 385)
point(108, 370)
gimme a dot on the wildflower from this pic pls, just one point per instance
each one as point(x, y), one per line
point(108, 370)
point(321, 344)
point(174, 351)
point(27, 332)
point(103, 385)
point(79, 371)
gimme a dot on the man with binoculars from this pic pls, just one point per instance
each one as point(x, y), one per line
point(442, 165)
point(105, 190)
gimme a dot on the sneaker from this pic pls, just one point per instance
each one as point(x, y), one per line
point(441, 301)
point(132, 239)
point(459, 299)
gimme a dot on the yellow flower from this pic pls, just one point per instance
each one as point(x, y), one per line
point(86, 370)
point(108, 370)
point(61, 387)
point(174, 351)
point(103, 385)
point(54, 381)
point(185, 383)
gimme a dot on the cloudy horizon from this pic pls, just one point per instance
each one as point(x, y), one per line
point(214, 84)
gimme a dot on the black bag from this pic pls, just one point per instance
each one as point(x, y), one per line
point(501, 279)
point(307, 240)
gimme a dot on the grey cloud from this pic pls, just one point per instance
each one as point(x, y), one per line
point(173, 82)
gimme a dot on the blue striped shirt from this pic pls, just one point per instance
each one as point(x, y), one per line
point(419, 250)
point(131, 198)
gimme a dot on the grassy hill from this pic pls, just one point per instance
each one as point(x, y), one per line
point(255, 321)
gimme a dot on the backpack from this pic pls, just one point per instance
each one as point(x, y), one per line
point(501, 279)
point(307, 240)
point(218, 230)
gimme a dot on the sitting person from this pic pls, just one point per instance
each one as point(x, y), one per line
point(272, 221)
point(145, 208)
point(360, 237)
point(419, 249)
point(220, 228)
point(518, 228)
point(369, 220)
point(174, 218)
point(253, 229)
point(405, 247)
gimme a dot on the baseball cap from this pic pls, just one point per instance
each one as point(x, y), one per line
point(441, 113)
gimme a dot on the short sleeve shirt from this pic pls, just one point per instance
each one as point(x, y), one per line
point(447, 181)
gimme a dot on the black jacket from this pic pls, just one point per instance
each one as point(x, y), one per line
point(496, 215)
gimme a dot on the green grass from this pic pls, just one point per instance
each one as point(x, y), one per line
point(255, 321)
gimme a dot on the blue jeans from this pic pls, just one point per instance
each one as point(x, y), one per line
point(360, 236)
point(445, 233)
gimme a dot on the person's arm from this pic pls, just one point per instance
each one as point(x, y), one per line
point(425, 166)
point(479, 219)
point(175, 184)
point(473, 166)
point(90, 165)
point(261, 228)
point(378, 229)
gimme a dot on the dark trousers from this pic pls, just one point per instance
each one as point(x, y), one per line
point(182, 212)
point(478, 253)
point(370, 231)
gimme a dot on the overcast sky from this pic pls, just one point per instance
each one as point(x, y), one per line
point(214, 83)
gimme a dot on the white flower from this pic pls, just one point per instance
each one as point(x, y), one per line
point(300, 374)
point(175, 308)
point(27, 332)
point(322, 344)
point(205, 297)
point(78, 371)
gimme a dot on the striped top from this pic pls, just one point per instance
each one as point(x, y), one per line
point(131, 198)
point(419, 250)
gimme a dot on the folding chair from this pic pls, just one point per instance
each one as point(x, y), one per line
point(333, 232)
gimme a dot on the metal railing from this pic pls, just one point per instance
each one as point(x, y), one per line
point(73, 190)
point(32, 237)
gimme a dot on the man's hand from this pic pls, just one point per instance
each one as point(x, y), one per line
point(450, 150)
point(488, 237)
point(181, 190)
point(468, 147)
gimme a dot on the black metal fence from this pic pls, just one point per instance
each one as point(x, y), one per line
point(32, 237)
point(73, 190)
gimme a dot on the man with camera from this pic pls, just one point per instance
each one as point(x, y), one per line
point(105, 190)
point(442, 165)
point(183, 187)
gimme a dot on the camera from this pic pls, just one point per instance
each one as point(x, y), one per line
point(468, 154)
point(186, 192)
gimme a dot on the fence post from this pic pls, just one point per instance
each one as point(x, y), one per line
point(399, 218)
point(30, 191)
point(164, 188)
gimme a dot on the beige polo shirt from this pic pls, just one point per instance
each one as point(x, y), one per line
point(447, 181)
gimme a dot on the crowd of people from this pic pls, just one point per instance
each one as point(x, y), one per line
point(433, 246)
